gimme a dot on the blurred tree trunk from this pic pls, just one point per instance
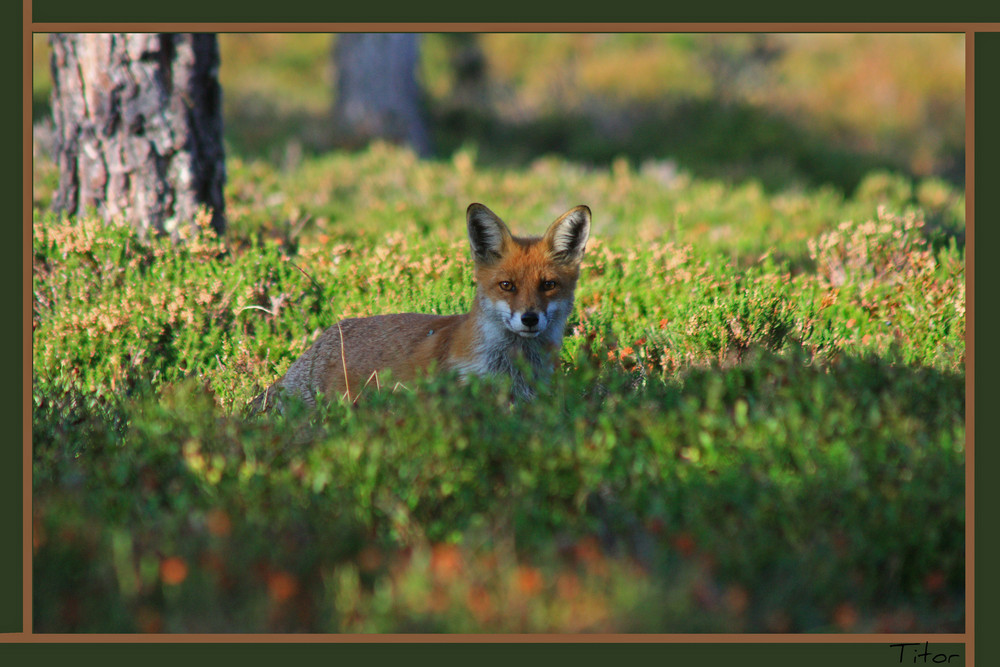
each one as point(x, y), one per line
point(138, 127)
point(377, 91)
point(468, 64)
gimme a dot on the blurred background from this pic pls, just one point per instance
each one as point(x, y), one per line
point(786, 110)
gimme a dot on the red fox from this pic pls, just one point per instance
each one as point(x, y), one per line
point(524, 294)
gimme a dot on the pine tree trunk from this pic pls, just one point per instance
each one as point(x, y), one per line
point(138, 127)
point(377, 91)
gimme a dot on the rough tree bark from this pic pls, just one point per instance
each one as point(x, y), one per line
point(377, 91)
point(138, 127)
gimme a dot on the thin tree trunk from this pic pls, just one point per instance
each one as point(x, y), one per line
point(138, 127)
point(377, 91)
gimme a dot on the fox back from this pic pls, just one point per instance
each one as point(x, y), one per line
point(524, 295)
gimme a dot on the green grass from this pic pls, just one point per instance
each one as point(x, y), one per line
point(758, 424)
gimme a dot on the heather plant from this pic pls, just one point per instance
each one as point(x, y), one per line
point(757, 424)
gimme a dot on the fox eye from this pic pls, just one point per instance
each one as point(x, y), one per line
point(549, 285)
point(506, 286)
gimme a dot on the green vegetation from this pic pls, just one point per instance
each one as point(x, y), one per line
point(758, 423)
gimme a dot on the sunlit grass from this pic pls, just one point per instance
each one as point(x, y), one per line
point(759, 395)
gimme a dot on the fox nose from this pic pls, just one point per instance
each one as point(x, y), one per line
point(529, 319)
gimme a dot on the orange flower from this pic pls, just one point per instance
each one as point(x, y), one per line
point(281, 586)
point(568, 586)
point(934, 581)
point(737, 599)
point(439, 600)
point(173, 570)
point(480, 603)
point(446, 562)
point(684, 543)
point(149, 620)
point(369, 559)
point(218, 523)
point(845, 617)
point(529, 580)
point(588, 552)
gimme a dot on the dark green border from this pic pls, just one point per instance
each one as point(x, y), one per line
point(985, 276)
point(734, 655)
point(856, 655)
point(509, 10)
point(12, 364)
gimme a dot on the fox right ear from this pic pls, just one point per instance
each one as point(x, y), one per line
point(568, 235)
point(487, 233)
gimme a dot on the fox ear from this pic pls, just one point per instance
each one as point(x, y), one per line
point(568, 235)
point(487, 233)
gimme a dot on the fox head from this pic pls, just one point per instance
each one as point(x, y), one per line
point(526, 285)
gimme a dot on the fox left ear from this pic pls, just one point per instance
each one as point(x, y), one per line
point(487, 233)
point(568, 235)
